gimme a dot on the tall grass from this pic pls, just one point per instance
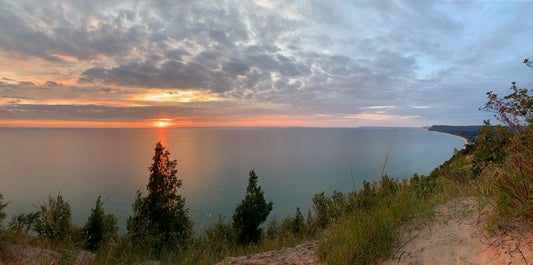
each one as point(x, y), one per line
point(369, 232)
point(373, 221)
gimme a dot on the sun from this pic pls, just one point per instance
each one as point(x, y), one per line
point(162, 123)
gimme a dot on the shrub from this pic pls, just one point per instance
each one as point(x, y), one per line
point(272, 231)
point(54, 220)
point(23, 222)
point(2, 213)
point(514, 176)
point(100, 228)
point(220, 235)
point(298, 225)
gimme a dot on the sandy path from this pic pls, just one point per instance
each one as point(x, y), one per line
point(298, 255)
point(17, 254)
point(458, 236)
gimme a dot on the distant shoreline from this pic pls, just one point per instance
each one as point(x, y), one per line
point(427, 128)
point(468, 133)
point(464, 139)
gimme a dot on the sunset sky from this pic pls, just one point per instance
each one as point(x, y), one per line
point(320, 63)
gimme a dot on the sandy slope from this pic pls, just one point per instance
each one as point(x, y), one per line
point(17, 254)
point(458, 236)
point(298, 255)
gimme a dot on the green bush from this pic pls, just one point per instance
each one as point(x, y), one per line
point(368, 231)
point(221, 235)
point(298, 226)
point(512, 174)
point(54, 220)
point(2, 213)
point(23, 222)
point(100, 228)
point(272, 231)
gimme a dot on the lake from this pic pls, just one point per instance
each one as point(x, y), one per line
point(292, 164)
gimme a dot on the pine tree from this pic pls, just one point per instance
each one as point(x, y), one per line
point(161, 216)
point(251, 213)
point(298, 222)
point(100, 228)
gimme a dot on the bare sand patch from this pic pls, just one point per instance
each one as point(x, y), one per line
point(298, 255)
point(19, 254)
point(458, 236)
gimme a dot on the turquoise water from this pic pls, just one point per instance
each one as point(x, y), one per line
point(292, 165)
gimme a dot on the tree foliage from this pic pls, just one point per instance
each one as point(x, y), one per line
point(512, 176)
point(100, 228)
point(514, 110)
point(161, 216)
point(2, 206)
point(251, 213)
point(54, 220)
point(24, 222)
point(298, 225)
point(490, 145)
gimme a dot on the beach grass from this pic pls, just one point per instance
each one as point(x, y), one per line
point(376, 218)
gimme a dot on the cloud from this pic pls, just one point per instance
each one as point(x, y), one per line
point(360, 59)
point(379, 107)
point(380, 117)
point(52, 83)
point(26, 83)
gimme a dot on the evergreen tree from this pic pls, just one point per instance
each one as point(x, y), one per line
point(298, 222)
point(100, 228)
point(161, 217)
point(251, 213)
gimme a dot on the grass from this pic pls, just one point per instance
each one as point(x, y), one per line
point(364, 236)
point(375, 219)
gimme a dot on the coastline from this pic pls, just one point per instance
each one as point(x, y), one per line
point(427, 129)
point(464, 139)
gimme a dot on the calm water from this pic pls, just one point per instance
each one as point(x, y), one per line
point(292, 165)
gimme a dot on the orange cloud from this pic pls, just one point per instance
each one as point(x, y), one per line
point(175, 96)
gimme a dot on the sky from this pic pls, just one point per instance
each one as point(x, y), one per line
point(317, 63)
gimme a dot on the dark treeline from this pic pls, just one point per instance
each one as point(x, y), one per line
point(469, 132)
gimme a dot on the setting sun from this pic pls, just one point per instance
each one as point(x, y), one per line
point(161, 123)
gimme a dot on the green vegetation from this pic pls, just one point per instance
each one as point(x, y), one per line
point(2, 213)
point(361, 227)
point(100, 228)
point(468, 132)
point(251, 213)
point(160, 221)
point(509, 169)
point(54, 219)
